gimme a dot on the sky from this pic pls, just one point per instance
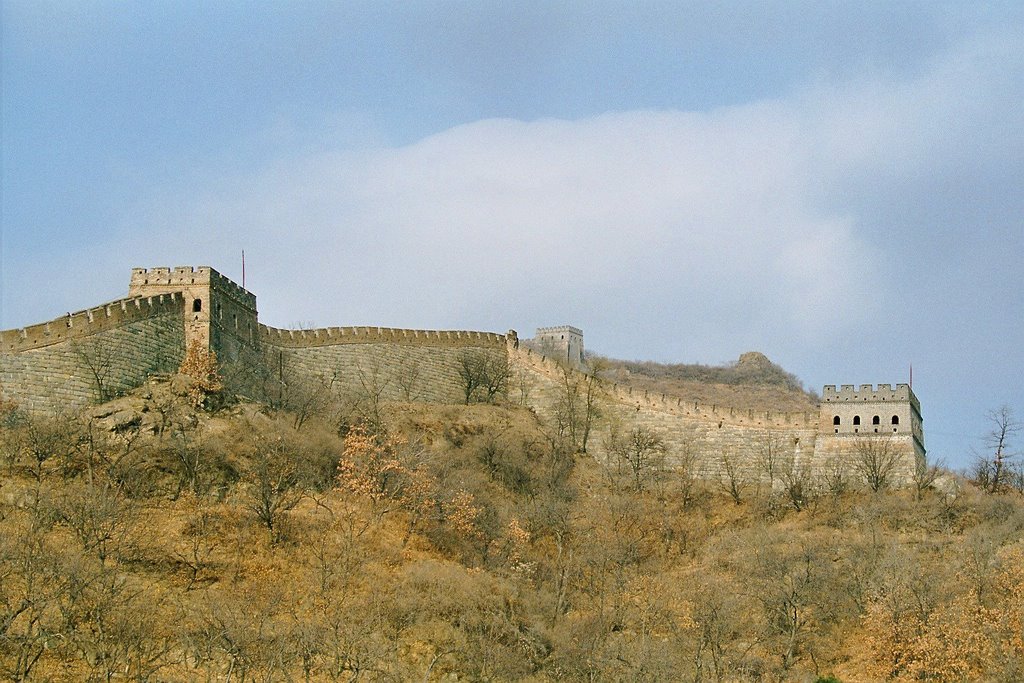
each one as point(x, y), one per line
point(837, 185)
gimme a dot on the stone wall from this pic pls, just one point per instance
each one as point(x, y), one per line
point(705, 437)
point(394, 364)
point(97, 353)
point(85, 363)
point(695, 434)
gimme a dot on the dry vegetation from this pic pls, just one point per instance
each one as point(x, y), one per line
point(752, 382)
point(152, 540)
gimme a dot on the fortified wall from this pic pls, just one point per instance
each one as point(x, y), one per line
point(102, 352)
point(92, 355)
point(385, 363)
point(95, 354)
point(708, 439)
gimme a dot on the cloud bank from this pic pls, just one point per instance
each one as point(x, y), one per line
point(747, 226)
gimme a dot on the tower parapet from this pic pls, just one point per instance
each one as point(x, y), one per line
point(868, 392)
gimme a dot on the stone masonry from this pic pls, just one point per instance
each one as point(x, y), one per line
point(94, 354)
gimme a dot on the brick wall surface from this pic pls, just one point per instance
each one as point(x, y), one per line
point(63, 376)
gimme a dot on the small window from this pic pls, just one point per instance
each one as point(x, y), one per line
point(895, 419)
point(876, 420)
point(197, 305)
point(835, 420)
point(856, 419)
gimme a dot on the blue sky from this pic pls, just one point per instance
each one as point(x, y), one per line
point(838, 185)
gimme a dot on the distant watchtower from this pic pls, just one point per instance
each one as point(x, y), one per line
point(852, 415)
point(563, 342)
point(219, 314)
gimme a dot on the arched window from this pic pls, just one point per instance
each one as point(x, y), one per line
point(895, 419)
point(197, 305)
point(876, 420)
point(856, 419)
point(835, 420)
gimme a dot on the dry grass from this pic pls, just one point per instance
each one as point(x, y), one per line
point(486, 553)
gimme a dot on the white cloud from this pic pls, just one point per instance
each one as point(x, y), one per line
point(741, 223)
point(662, 204)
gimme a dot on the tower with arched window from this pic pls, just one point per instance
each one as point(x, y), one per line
point(852, 416)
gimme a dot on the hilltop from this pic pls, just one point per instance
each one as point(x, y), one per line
point(751, 382)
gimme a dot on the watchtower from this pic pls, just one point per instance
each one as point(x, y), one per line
point(563, 342)
point(219, 314)
point(855, 415)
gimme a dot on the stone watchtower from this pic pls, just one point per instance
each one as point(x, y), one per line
point(854, 415)
point(219, 314)
point(564, 343)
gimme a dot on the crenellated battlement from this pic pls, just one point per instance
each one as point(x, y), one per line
point(180, 275)
point(559, 329)
point(90, 321)
point(144, 280)
point(868, 392)
point(329, 336)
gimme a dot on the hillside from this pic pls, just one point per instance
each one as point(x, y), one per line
point(752, 382)
point(150, 539)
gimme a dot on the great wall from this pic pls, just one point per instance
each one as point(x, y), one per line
point(92, 355)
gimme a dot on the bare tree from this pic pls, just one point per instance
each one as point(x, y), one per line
point(374, 381)
point(303, 393)
point(791, 581)
point(796, 481)
point(577, 408)
point(769, 456)
point(523, 383)
point(496, 376)
point(834, 476)
point(470, 366)
point(98, 359)
point(685, 465)
point(592, 389)
point(925, 474)
point(409, 378)
point(198, 541)
point(37, 441)
point(98, 515)
point(274, 481)
point(484, 376)
point(999, 444)
point(32, 582)
point(642, 449)
point(732, 477)
point(875, 461)
point(568, 410)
